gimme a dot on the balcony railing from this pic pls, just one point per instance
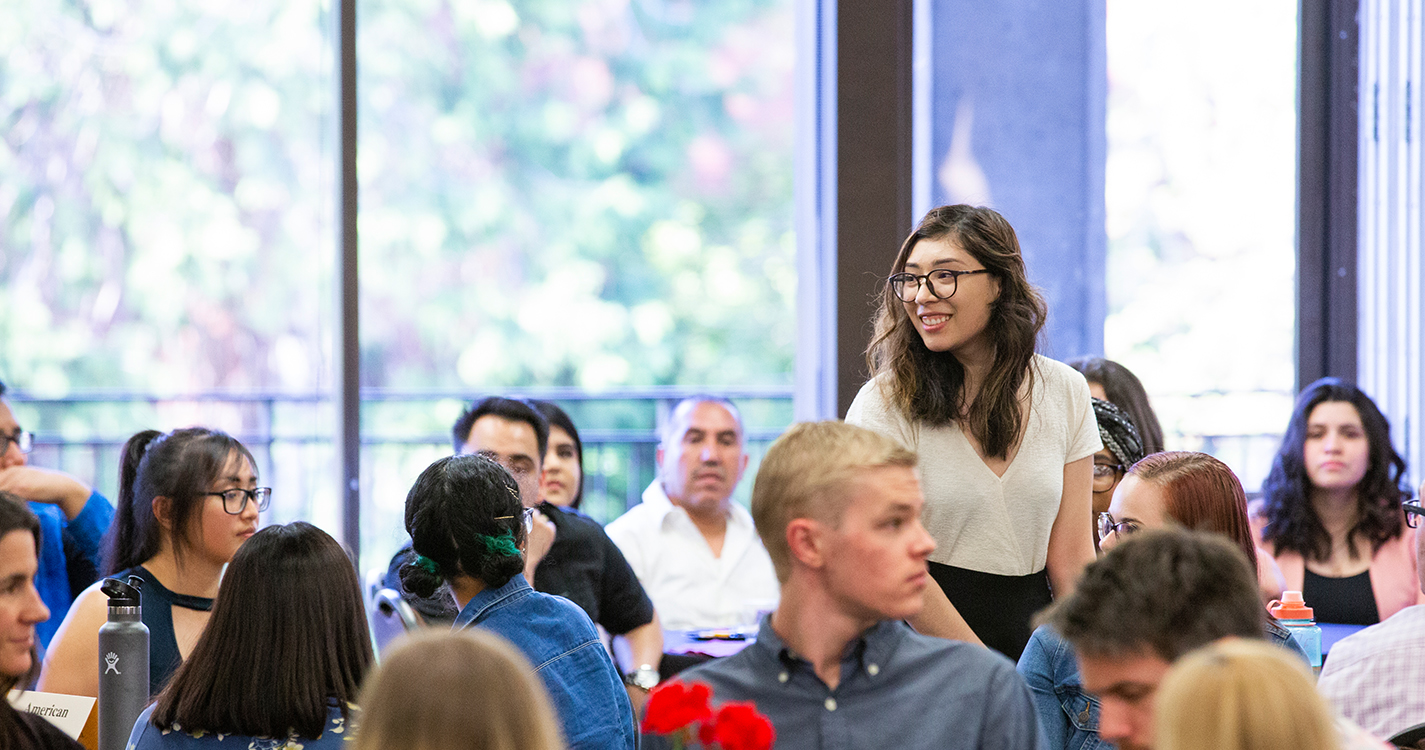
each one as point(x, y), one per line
point(404, 430)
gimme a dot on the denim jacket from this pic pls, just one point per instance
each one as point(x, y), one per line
point(560, 641)
point(1068, 714)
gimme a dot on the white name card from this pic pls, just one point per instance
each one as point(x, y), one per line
point(68, 712)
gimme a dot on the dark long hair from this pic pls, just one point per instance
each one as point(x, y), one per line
point(179, 465)
point(457, 513)
point(287, 638)
point(1202, 494)
point(557, 418)
point(15, 515)
point(1125, 391)
point(1291, 520)
point(929, 386)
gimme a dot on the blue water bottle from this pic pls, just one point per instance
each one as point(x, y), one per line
point(1293, 614)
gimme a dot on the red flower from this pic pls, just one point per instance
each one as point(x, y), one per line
point(739, 727)
point(675, 705)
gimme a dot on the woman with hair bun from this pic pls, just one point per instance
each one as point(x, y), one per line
point(187, 500)
point(1005, 436)
point(1331, 509)
point(467, 529)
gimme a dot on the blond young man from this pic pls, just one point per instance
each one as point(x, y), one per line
point(838, 509)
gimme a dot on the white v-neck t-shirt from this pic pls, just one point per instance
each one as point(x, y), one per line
point(980, 521)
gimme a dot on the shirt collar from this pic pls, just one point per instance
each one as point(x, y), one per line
point(481, 604)
point(656, 498)
point(874, 646)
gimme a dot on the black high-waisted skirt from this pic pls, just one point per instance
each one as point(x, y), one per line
point(998, 608)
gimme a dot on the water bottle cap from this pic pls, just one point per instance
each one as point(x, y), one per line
point(1291, 607)
point(122, 594)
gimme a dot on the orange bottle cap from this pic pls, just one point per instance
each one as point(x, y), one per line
point(1291, 607)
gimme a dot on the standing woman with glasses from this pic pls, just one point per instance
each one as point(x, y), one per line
point(187, 500)
point(1330, 511)
point(1005, 436)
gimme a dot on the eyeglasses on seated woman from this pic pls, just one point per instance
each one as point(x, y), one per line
point(188, 499)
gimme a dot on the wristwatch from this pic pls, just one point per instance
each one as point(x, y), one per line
point(645, 677)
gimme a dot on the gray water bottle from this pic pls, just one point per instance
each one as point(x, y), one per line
point(123, 663)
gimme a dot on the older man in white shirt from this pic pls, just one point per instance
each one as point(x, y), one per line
point(696, 551)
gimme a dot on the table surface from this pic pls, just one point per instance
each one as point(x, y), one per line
point(1331, 632)
point(716, 642)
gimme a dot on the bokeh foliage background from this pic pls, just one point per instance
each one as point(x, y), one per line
point(591, 194)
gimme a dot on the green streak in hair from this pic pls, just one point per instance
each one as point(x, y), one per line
point(504, 544)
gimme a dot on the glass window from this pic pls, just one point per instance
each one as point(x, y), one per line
point(1201, 191)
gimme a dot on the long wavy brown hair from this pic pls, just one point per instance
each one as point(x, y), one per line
point(929, 386)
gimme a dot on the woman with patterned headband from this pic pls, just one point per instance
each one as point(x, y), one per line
point(1122, 447)
point(467, 530)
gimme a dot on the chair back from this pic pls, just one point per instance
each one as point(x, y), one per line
point(1412, 738)
point(391, 617)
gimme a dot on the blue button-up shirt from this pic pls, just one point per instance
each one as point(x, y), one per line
point(898, 689)
point(560, 641)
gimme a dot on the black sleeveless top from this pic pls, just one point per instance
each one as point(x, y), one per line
point(1346, 601)
point(158, 603)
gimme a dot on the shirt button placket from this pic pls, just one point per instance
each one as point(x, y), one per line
point(835, 734)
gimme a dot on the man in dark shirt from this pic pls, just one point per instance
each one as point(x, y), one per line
point(567, 554)
point(838, 509)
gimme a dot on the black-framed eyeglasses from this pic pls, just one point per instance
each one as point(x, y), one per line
point(1413, 512)
point(235, 499)
point(1104, 475)
point(23, 439)
point(1106, 526)
point(907, 285)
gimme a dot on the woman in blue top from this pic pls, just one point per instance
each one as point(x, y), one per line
point(187, 500)
point(282, 660)
point(467, 527)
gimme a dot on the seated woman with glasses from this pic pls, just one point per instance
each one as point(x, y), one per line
point(1122, 447)
point(1193, 490)
point(1330, 509)
point(187, 500)
point(1176, 488)
point(467, 528)
point(1005, 436)
point(282, 660)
